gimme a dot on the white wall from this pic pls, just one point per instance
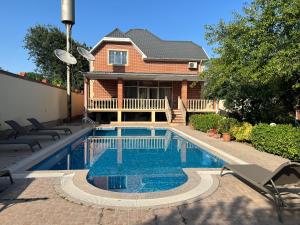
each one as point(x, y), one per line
point(22, 98)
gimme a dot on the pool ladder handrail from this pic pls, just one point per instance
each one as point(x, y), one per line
point(88, 120)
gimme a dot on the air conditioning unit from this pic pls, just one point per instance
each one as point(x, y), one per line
point(193, 65)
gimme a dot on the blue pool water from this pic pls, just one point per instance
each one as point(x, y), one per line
point(132, 159)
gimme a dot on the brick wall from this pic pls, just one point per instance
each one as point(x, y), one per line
point(105, 89)
point(194, 90)
point(135, 62)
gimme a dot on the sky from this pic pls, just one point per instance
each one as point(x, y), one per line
point(168, 19)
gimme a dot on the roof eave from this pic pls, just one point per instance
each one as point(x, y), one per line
point(117, 39)
point(175, 59)
point(137, 76)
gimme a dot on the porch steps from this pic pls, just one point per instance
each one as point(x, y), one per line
point(177, 117)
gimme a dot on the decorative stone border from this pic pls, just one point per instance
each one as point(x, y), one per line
point(74, 187)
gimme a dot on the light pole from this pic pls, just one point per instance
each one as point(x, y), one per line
point(68, 18)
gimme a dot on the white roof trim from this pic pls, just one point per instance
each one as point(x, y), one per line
point(206, 53)
point(115, 39)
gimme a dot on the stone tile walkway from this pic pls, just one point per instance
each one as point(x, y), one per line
point(34, 201)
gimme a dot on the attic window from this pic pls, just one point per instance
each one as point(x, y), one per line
point(117, 57)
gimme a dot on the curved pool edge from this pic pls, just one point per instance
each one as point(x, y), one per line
point(75, 188)
point(143, 192)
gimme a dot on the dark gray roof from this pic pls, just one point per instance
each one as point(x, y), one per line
point(156, 49)
point(116, 33)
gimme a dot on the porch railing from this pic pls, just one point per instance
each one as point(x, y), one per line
point(198, 105)
point(103, 103)
point(148, 104)
point(168, 110)
point(193, 105)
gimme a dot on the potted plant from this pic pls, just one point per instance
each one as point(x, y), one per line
point(224, 128)
point(212, 132)
point(45, 80)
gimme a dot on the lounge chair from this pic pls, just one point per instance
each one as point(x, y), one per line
point(21, 131)
point(30, 143)
point(269, 182)
point(39, 126)
point(6, 173)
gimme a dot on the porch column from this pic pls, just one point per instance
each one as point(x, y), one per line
point(184, 89)
point(153, 117)
point(86, 96)
point(120, 98)
point(120, 93)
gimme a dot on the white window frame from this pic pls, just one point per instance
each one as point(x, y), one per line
point(118, 50)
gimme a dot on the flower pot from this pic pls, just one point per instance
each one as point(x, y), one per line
point(210, 133)
point(226, 137)
point(218, 136)
point(214, 130)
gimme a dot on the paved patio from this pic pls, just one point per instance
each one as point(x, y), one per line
point(35, 201)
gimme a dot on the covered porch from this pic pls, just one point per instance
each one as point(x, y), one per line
point(153, 93)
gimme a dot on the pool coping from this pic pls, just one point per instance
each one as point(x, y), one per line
point(75, 188)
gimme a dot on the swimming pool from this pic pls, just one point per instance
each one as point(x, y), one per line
point(133, 160)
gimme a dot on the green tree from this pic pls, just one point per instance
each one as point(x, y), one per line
point(35, 76)
point(257, 71)
point(41, 41)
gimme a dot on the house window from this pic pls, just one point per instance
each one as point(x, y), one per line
point(117, 57)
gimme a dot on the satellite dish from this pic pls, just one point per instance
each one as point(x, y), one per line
point(86, 54)
point(65, 56)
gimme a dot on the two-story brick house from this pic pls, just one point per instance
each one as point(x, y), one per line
point(136, 76)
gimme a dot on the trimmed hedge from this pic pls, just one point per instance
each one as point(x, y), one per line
point(242, 132)
point(283, 140)
point(205, 122)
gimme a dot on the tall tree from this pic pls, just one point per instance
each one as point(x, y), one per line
point(41, 41)
point(257, 71)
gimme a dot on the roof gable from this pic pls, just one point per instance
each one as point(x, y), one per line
point(154, 48)
point(117, 33)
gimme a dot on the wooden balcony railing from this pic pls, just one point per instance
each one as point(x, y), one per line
point(103, 103)
point(182, 108)
point(201, 105)
point(193, 105)
point(142, 104)
point(168, 110)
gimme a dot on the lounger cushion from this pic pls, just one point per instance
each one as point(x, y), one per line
point(252, 173)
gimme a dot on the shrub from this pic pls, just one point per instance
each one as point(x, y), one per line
point(225, 124)
point(242, 132)
point(283, 140)
point(205, 122)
